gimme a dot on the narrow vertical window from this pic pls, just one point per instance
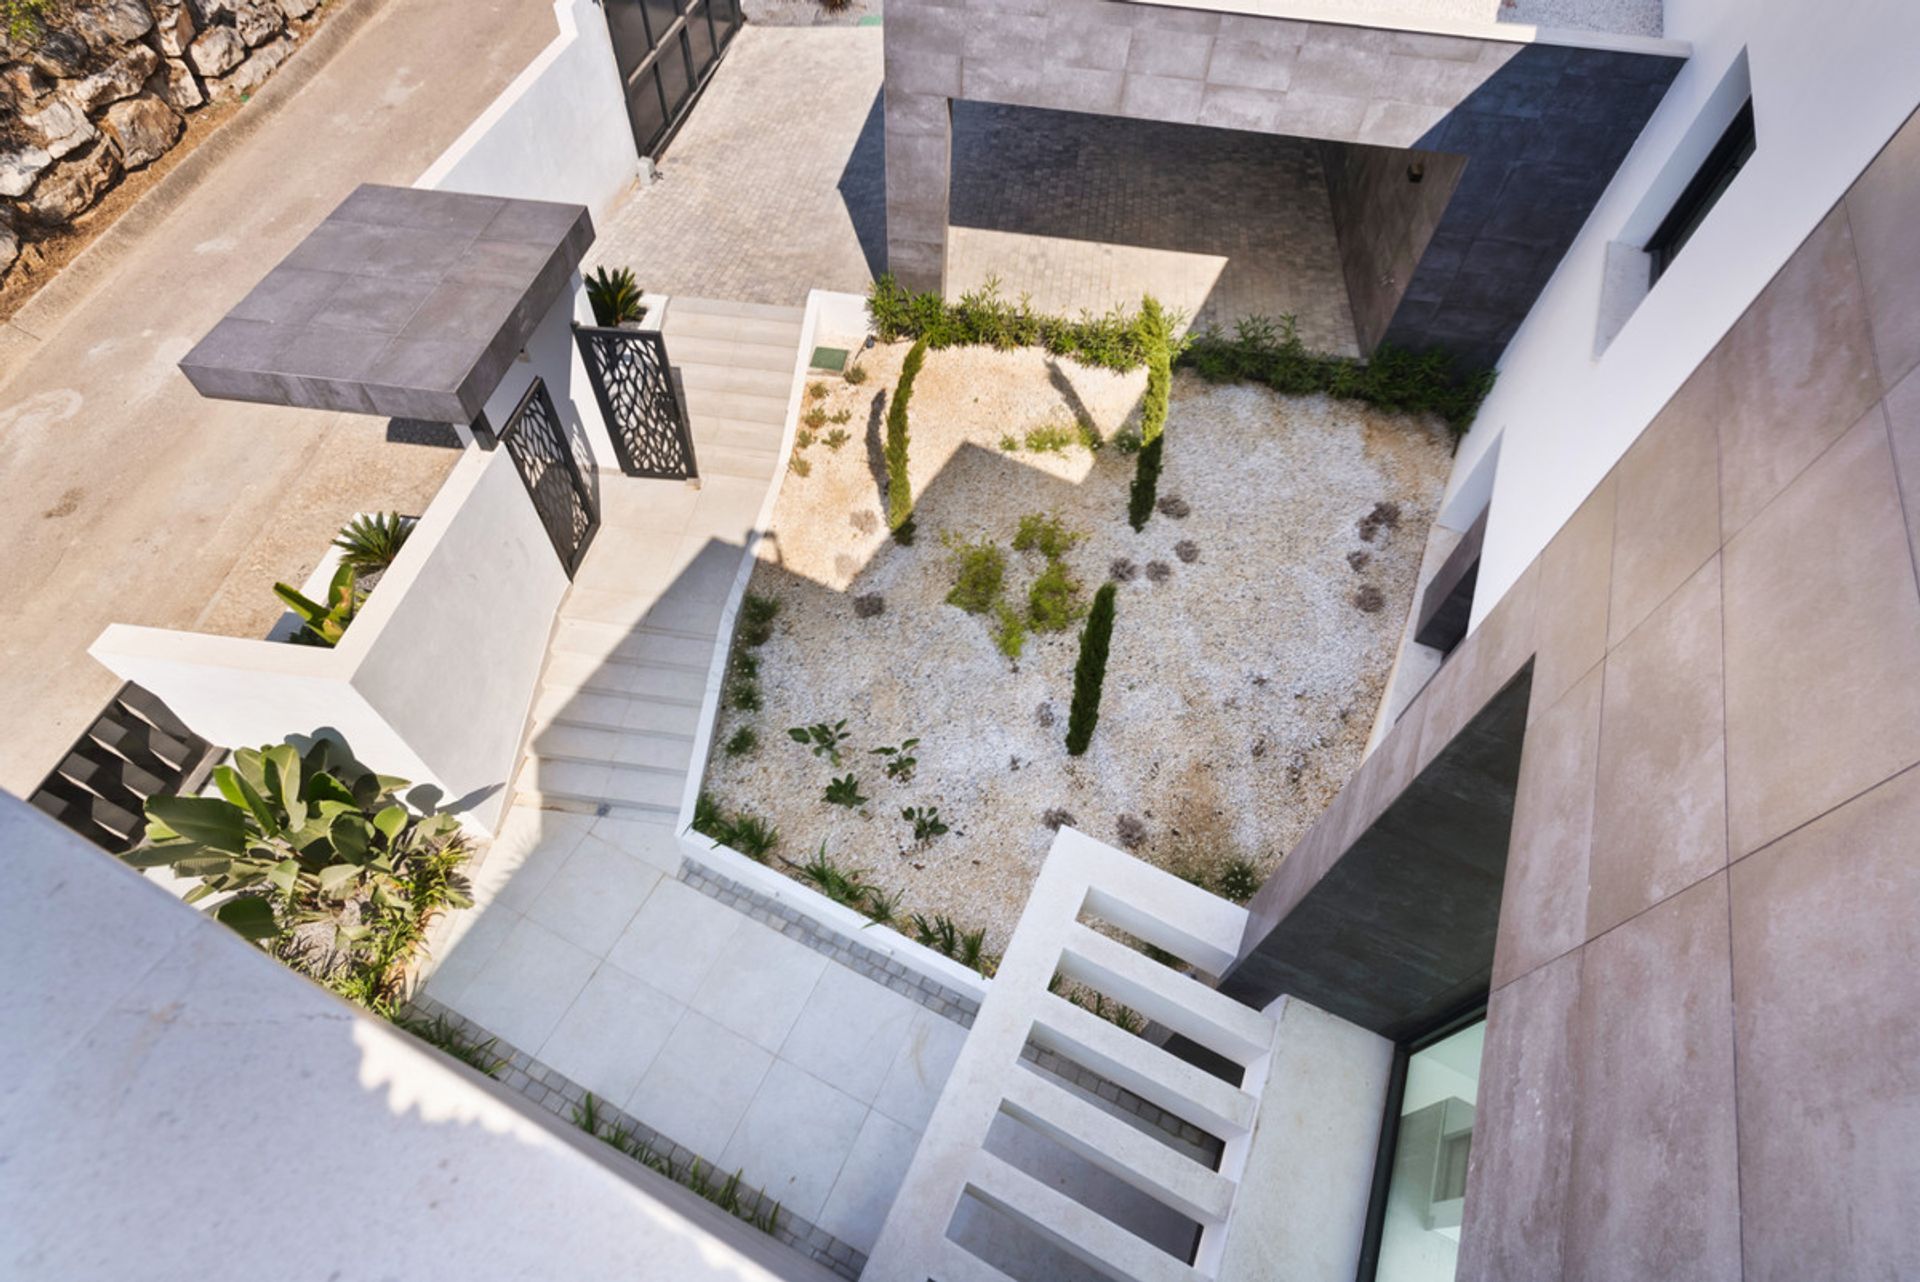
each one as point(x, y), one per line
point(1723, 164)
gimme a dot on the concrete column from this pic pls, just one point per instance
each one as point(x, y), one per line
point(919, 174)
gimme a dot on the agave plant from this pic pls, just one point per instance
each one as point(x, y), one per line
point(292, 838)
point(369, 543)
point(323, 624)
point(614, 297)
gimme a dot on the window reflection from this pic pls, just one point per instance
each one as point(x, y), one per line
point(1420, 1236)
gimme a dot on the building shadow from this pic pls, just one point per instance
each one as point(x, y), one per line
point(863, 186)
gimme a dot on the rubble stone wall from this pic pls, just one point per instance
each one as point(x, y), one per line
point(103, 87)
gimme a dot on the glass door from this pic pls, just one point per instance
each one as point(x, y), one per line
point(1419, 1216)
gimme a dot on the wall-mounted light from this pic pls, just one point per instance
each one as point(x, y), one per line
point(1416, 171)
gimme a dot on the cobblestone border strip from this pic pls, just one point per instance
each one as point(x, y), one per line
point(857, 957)
point(559, 1095)
point(936, 997)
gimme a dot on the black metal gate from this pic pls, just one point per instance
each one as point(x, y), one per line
point(134, 751)
point(540, 449)
point(634, 386)
point(666, 49)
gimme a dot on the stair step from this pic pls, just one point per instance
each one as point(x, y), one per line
point(685, 615)
point(753, 465)
point(777, 383)
point(752, 407)
point(562, 740)
point(617, 676)
point(682, 306)
point(636, 645)
point(738, 433)
point(737, 329)
point(615, 712)
point(599, 781)
point(599, 806)
point(689, 349)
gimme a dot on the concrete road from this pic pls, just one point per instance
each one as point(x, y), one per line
point(127, 498)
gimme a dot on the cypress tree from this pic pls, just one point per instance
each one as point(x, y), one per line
point(899, 489)
point(1153, 411)
point(1090, 673)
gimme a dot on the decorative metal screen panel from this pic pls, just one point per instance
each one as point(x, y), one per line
point(631, 381)
point(538, 443)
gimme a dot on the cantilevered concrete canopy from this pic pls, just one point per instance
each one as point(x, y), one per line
point(402, 302)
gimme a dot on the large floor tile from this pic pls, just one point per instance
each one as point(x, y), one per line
point(594, 896)
point(700, 1084)
point(1659, 819)
point(460, 944)
point(759, 984)
point(869, 1181)
point(1795, 371)
point(675, 938)
point(1666, 520)
point(1654, 1192)
point(850, 1031)
point(794, 1138)
point(1823, 641)
point(526, 986)
point(919, 1072)
point(612, 1033)
point(1826, 927)
point(652, 842)
point(530, 849)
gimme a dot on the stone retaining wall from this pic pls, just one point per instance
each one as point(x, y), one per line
point(102, 87)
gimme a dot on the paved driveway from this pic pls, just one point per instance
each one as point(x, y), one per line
point(129, 498)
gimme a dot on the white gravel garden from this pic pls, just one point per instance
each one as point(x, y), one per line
point(895, 720)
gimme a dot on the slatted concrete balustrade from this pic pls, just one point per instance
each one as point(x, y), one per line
point(1083, 877)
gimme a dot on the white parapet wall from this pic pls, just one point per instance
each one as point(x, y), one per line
point(558, 132)
point(148, 1051)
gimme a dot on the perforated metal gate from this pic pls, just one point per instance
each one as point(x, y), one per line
point(537, 440)
point(634, 387)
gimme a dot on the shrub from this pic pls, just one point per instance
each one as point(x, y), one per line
point(1239, 880)
point(799, 466)
point(757, 614)
point(817, 391)
point(983, 319)
point(1146, 481)
point(840, 416)
point(804, 439)
point(836, 438)
point(815, 418)
point(744, 695)
point(614, 297)
point(1058, 438)
point(1010, 631)
point(369, 543)
point(743, 741)
point(844, 791)
point(856, 375)
point(1260, 351)
point(899, 488)
point(320, 862)
point(1045, 534)
point(1053, 602)
point(1090, 672)
point(926, 823)
point(324, 625)
point(979, 570)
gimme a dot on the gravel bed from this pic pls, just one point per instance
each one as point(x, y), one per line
point(1252, 643)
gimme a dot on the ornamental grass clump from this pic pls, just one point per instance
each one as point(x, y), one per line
point(1090, 672)
point(899, 488)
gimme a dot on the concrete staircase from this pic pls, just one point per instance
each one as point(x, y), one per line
point(619, 701)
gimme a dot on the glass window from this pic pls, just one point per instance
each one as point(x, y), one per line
point(1723, 164)
point(648, 117)
point(660, 17)
point(674, 82)
point(700, 39)
point(1427, 1188)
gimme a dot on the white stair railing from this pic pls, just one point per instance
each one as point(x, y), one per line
point(1084, 877)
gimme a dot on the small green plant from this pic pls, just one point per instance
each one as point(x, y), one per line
point(1053, 602)
point(803, 440)
point(743, 742)
point(823, 739)
point(841, 417)
point(817, 391)
point(709, 820)
point(1046, 534)
point(899, 487)
point(926, 823)
point(1090, 671)
point(856, 374)
point(752, 836)
point(900, 761)
point(1010, 630)
point(844, 791)
point(1058, 438)
point(983, 318)
point(799, 466)
point(979, 570)
point(1239, 880)
point(837, 438)
point(757, 614)
point(369, 543)
point(815, 418)
point(1009, 443)
point(442, 1033)
point(879, 906)
point(614, 297)
point(944, 936)
point(842, 885)
point(744, 695)
point(324, 625)
point(587, 1116)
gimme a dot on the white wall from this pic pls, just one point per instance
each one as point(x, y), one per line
point(1831, 83)
point(560, 130)
point(160, 1080)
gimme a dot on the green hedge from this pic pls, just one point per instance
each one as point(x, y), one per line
point(1090, 672)
point(984, 319)
point(1260, 351)
point(899, 488)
